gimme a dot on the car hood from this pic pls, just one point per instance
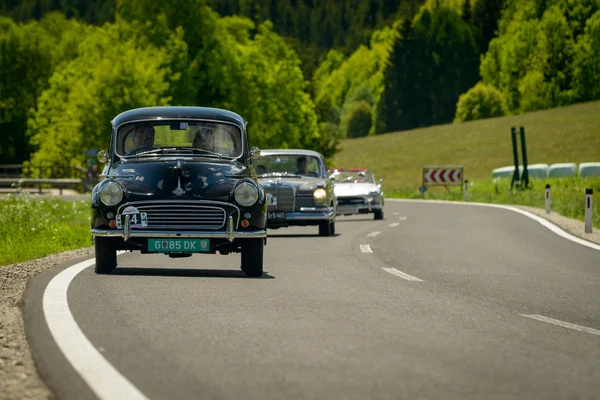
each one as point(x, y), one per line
point(304, 184)
point(178, 179)
point(354, 189)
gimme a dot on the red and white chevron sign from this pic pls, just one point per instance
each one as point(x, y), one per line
point(442, 175)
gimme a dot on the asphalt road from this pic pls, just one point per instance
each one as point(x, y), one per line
point(432, 306)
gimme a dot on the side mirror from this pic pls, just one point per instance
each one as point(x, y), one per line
point(332, 177)
point(102, 156)
point(255, 153)
point(380, 181)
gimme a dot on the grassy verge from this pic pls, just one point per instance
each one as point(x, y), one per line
point(36, 228)
point(567, 134)
point(567, 195)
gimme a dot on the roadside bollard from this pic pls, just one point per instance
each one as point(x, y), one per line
point(588, 210)
point(466, 190)
point(547, 199)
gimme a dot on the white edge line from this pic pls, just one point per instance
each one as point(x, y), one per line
point(373, 234)
point(562, 323)
point(395, 224)
point(534, 217)
point(365, 248)
point(402, 275)
point(104, 380)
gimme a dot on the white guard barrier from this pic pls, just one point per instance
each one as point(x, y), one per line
point(564, 170)
point(589, 169)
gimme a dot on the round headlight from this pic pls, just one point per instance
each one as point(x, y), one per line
point(320, 194)
point(111, 194)
point(246, 194)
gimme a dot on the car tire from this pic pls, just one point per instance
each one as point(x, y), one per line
point(106, 255)
point(326, 228)
point(378, 214)
point(252, 257)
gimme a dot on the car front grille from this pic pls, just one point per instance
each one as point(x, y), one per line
point(177, 215)
point(350, 200)
point(285, 194)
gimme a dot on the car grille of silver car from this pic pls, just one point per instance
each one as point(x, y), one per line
point(286, 200)
point(350, 200)
point(169, 215)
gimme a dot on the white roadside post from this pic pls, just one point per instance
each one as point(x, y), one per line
point(588, 210)
point(547, 199)
point(466, 190)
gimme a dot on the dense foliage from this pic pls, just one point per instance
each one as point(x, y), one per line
point(481, 101)
point(304, 73)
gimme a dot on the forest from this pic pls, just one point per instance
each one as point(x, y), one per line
point(304, 73)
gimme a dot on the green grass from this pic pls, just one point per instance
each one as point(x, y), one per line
point(35, 228)
point(567, 134)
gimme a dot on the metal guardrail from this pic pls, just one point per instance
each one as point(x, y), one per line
point(51, 176)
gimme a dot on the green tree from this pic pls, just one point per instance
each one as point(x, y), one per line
point(481, 101)
point(25, 66)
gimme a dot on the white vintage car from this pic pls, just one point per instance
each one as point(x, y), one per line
point(357, 192)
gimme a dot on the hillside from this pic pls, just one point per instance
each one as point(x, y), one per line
point(567, 134)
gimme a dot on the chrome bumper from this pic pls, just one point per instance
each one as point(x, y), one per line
point(356, 208)
point(310, 213)
point(230, 234)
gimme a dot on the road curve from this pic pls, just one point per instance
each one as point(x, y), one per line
point(445, 301)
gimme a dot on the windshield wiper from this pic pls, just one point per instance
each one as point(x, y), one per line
point(200, 151)
point(155, 151)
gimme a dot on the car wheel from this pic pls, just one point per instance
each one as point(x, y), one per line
point(106, 255)
point(326, 228)
point(252, 257)
point(378, 214)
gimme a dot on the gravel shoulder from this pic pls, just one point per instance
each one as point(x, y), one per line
point(18, 376)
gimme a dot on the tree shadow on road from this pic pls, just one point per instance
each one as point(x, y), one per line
point(196, 273)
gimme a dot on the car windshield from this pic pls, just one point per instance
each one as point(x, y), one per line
point(361, 176)
point(297, 165)
point(151, 138)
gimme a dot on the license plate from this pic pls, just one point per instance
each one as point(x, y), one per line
point(347, 209)
point(179, 245)
point(137, 220)
point(276, 215)
point(271, 200)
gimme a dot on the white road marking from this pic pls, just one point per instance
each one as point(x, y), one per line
point(534, 217)
point(365, 248)
point(562, 323)
point(395, 224)
point(402, 275)
point(396, 213)
point(401, 218)
point(373, 234)
point(104, 380)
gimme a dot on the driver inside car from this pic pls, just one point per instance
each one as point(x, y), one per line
point(143, 138)
point(204, 139)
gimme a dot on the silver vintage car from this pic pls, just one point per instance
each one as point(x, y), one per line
point(298, 190)
point(357, 192)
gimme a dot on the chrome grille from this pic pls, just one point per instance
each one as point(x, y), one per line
point(285, 197)
point(178, 215)
point(350, 200)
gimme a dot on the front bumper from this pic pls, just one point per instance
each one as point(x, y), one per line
point(306, 214)
point(359, 208)
point(188, 234)
point(230, 234)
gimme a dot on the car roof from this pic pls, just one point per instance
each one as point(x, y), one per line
point(302, 152)
point(178, 112)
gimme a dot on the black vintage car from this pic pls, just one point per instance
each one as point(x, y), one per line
point(298, 190)
point(179, 181)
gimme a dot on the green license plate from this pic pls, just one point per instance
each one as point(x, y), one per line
point(179, 245)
